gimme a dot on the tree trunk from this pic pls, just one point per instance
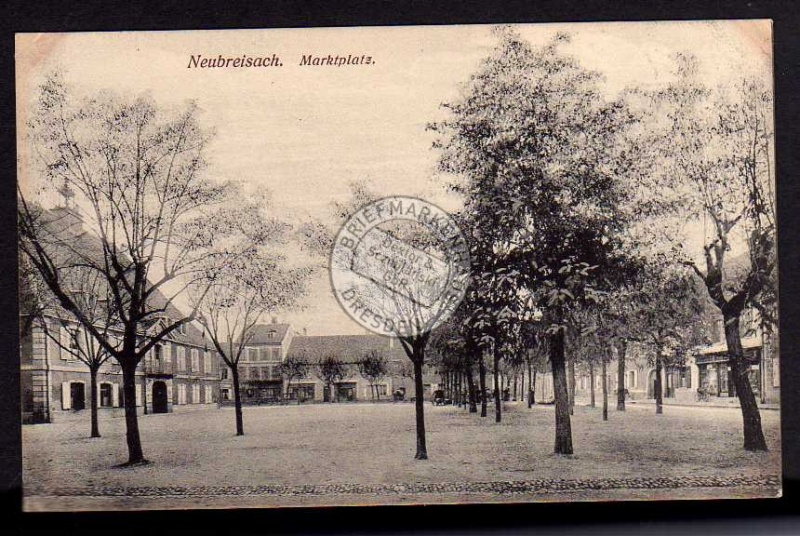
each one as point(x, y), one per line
point(237, 401)
point(657, 388)
point(95, 425)
point(571, 386)
point(605, 390)
point(753, 434)
point(473, 408)
point(530, 385)
point(516, 380)
point(419, 391)
point(498, 405)
point(621, 351)
point(591, 383)
point(563, 443)
point(482, 382)
point(134, 441)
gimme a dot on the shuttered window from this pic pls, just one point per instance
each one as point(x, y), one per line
point(66, 396)
point(195, 360)
point(207, 366)
point(181, 359)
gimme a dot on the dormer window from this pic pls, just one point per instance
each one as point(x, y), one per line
point(271, 334)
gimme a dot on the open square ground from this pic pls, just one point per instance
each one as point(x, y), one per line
point(363, 454)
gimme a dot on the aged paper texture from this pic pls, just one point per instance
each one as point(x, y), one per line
point(394, 265)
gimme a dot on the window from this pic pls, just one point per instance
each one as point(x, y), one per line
point(67, 343)
point(196, 393)
point(207, 397)
point(106, 396)
point(182, 393)
point(223, 372)
point(195, 360)
point(74, 342)
point(225, 394)
point(207, 362)
point(255, 373)
point(271, 334)
point(275, 354)
point(686, 377)
point(265, 354)
point(157, 352)
point(631, 379)
point(252, 354)
point(266, 372)
point(380, 390)
point(181, 359)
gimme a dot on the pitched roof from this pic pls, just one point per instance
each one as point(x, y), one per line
point(66, 224)
point(346, 347)
point(261, 333)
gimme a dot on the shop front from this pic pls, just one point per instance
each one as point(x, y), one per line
point(715, 373)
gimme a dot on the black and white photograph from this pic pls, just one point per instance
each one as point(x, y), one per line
point(487, 263)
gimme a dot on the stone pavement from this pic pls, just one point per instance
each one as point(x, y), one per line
point(497, 488)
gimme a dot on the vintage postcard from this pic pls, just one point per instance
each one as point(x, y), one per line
point(398, 265)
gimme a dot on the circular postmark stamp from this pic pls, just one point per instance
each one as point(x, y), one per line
point(399, 266)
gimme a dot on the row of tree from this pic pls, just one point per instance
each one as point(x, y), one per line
point(141, 228)
point(577, 207)
point(584, 212)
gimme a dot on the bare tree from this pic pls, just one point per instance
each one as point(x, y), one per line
point(58, 325)
point(140, 214)
point(234, 299)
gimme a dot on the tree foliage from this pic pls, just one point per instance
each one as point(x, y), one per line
point(540, 154)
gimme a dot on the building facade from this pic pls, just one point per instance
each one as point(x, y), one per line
point(704, 374)
point(178, 372)
point(261, 381)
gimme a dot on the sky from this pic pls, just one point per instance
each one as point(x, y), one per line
point(304, 133)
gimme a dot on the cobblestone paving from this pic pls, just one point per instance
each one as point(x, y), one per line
point(500, 488)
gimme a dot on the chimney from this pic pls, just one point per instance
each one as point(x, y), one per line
point(274, 319)
point(305, 332)
point(391, 343)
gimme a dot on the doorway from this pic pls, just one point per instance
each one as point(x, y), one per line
point(77, 393)
point(160, 397)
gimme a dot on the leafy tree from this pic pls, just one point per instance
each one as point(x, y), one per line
point(331, 370)
point(541, 156)
point(294, 367)
point(373, 368)
point(144, 218)
point(668, 316)
point(715, 150)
